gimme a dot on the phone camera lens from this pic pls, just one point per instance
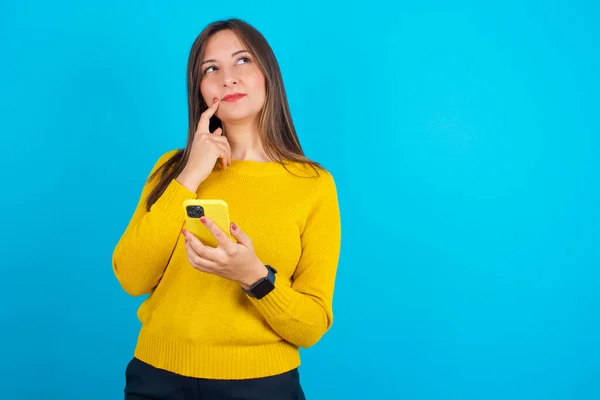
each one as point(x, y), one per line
point(195, 211)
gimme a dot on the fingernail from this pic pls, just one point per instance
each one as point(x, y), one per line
point(203, 219)
point(184, 232)
point(215, 100)
point(233, 226)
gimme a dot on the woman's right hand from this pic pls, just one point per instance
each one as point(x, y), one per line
point(206, 149)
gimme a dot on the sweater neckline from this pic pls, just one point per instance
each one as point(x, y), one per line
point(256, 168)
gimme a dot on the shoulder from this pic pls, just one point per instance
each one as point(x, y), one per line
point(327, 185)
point(315, 180)
point(164, 158)
point(324, 196)
point(167, 156)
point(317, 172)
point(160, 161)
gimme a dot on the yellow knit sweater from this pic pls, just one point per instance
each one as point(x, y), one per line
point(201, 325)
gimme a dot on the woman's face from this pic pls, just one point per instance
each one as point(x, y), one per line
point(228, 69)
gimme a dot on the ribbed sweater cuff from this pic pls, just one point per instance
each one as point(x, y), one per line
point(171, 201)
point(277, 302)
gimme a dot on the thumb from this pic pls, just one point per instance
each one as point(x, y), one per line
point(240, 236)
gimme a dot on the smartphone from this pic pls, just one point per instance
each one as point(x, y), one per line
point(216, 210)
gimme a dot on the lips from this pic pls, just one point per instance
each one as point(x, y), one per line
point(233, 97)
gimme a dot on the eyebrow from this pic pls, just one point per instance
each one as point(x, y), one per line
point(232, 55)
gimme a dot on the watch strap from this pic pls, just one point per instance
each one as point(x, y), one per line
point(263, 286)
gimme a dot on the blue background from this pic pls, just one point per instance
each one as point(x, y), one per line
point(464, 143)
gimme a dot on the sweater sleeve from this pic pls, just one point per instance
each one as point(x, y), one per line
point(302, 313)
point(144, 249)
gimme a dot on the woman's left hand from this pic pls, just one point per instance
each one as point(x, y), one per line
point(230, 260)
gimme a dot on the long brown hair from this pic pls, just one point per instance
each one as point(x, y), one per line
point(277, 130)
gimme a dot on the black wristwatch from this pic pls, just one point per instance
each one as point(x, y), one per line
point(264, 286)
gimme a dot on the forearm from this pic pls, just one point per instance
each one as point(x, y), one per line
point(143, 252)
point(298, 318)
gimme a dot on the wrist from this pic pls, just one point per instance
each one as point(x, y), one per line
point(188, 181)
point(258, 272)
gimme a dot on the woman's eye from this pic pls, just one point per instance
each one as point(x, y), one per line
point(243, 60)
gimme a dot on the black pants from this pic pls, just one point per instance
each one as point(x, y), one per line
point(144, 382)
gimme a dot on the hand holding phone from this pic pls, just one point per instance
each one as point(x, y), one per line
point(216, 210)
point(232, 256)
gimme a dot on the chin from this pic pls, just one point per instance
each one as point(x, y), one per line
point(237, 116)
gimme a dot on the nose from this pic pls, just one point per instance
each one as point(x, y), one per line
point(228, 78)
point(229, 82)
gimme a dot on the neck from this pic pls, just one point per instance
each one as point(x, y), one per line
point(244, 140)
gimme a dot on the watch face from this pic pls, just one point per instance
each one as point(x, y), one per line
point(263, 288)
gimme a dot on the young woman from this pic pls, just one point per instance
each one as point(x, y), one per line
point(227, 322)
